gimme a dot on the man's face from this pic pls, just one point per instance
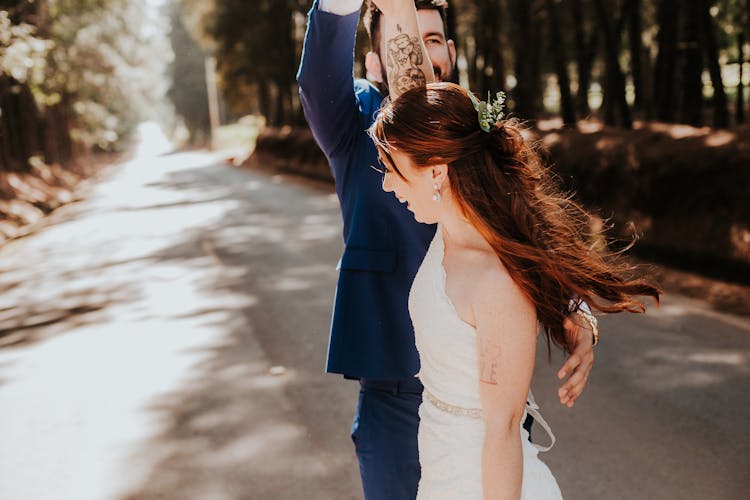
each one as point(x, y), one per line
point(440, 51)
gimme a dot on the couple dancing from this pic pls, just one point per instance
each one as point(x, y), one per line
point(455, 254)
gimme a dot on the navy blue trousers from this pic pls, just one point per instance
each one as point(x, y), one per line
point(385, 438)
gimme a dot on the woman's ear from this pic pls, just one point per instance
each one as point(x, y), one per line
point(373, 67)
point(439, 173)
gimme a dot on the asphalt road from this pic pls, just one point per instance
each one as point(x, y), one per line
point(165, 339)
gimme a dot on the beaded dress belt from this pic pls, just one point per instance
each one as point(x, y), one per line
point(531, 407)
point(455, 410)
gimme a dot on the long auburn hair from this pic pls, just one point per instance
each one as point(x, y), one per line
point(543, 237)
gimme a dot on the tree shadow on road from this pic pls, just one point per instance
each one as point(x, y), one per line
point(666, 399)
point(235, 430)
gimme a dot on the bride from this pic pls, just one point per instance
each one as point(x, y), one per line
point(509, 252)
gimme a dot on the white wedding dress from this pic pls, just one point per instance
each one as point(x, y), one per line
point(451, 430)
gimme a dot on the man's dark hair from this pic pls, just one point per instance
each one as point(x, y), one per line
point(373, 14)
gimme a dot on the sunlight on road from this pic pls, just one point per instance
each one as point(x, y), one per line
point(151, 140)
point(108, 317)
point(125, 342)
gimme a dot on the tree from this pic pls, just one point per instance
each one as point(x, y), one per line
point(711, 52)
point(692, 69)
point(561, 64)
point(668, 14)
point(615, 88)
point(93, 76)
point(256, 47)
point(188, 89)
point(489, 60)
point(740, 104)
point(527, 42)
point(585, 46)
point(636, 51)
point(20, 120)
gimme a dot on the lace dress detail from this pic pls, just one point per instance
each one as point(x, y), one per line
point(451, 429)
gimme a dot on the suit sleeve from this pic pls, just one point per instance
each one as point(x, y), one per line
point(326, 81)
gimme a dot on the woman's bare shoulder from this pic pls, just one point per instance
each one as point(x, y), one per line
point(496, 293)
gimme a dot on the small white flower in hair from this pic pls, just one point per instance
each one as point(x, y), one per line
point(489, 112)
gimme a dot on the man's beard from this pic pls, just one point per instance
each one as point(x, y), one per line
point(451, 77)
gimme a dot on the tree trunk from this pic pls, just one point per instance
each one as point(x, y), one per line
point(711, 51)
point(469, 50)
point(740, 105)
point(18, 124)
point(692, 97)
point(609, 102)
point(527, 94)
point(6, 157)
point(666, 60)
point(278, 108)
point(65, 140)
point(450, 24)
point(537, 84)
point(287, 80)
point(615, 78)
point(561, 65)
point(264, 100)
point(647, 87)
point(636, 52)
point(585, 52)
point(491, 75)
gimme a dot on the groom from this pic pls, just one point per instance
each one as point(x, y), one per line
point(372, 338)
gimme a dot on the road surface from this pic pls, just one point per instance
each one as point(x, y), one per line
point(165, 339)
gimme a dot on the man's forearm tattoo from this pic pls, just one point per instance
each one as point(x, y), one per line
point(404, 61)
point(489, 360)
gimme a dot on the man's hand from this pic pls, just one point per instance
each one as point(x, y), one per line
point(579, 363)
point(388, 6)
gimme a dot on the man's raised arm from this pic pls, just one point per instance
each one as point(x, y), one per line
point(325, 75)
point(406, 56)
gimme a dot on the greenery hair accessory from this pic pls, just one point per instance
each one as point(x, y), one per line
point(489, 112)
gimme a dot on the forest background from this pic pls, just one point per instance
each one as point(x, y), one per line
point(641, 105)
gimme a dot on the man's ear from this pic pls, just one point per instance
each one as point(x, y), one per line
point(439, 173)
point(373, 67)
point(452, 53)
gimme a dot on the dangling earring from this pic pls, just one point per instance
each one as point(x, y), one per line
point(436, 196)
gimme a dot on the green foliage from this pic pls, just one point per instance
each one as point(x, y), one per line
point(22, 54)
point(104, 59)
point(257, 50)
point(110, 64)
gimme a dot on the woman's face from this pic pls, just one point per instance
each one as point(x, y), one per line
point(416, 188)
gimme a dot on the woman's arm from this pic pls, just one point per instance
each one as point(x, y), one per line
point(506, 339)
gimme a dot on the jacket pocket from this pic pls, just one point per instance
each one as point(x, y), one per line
point(362, 259)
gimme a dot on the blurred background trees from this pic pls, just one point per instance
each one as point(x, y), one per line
point(187, 91)
point(81, 73)
point(75, 75)
point(609, 84)
point(614, 60)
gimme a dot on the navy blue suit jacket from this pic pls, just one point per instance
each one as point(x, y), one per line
point(371, 332)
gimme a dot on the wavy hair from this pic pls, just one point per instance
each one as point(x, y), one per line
point(540, 234)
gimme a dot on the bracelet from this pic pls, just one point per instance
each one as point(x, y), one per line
point(593, 324)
